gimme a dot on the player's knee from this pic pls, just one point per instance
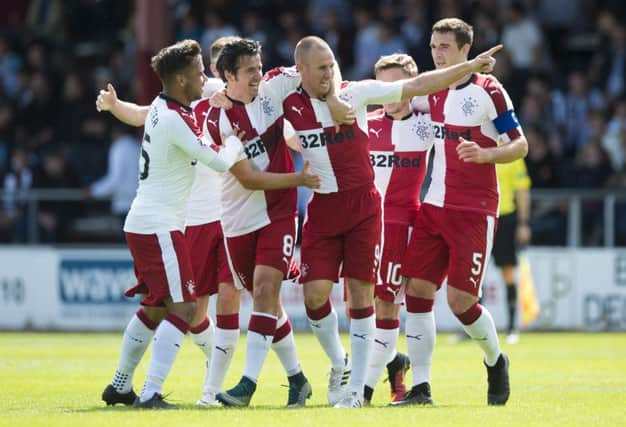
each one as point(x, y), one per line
point(361, 296)
point(155, 314)
point(420, 288)
point(265, 290)
point(186, 311)
point(314, 300)
point(459, 302)
point(386, 310)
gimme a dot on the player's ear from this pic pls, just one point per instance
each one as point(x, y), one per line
point(465, 49)
point(180, 79)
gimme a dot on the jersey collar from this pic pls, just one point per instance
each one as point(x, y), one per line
point(170, 99)
point(469, 81)
point(408, 116)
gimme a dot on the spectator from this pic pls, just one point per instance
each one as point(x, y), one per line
point(523, 41)
point(614, 140)
point(573, 108)
point(55, 217)
point(17, 182)
point(120, 181)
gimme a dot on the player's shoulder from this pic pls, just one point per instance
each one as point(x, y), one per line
point(212, 85)
point(280, 71)
point(489, 83)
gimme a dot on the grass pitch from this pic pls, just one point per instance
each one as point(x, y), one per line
point(557, 379)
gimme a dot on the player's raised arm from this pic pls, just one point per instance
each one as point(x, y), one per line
point(127, 112)
point(254, 179)
point(436, 80)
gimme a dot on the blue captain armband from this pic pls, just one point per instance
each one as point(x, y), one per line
point(506, 121)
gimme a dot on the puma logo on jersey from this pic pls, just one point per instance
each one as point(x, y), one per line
point(213, 122)
point(435, 100)
point(376, 132)
point(297, 110)
point(236, 127)
point(474, 282)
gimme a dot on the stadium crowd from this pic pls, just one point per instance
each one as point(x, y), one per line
point(564, 64)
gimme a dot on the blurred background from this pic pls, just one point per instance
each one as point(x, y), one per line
point(564, 65)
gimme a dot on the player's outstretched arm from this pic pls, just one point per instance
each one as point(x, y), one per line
point(127, 112)
point(470, 151)
point(436, 80)
point(254, 179)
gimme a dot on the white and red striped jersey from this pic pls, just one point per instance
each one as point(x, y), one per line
point(243, 210)
point(205, 199)
point(399, 152)
point(172, 146)
point(341, 159)
point(481, 111)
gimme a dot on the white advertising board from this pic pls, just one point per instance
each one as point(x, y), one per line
point(45, 288)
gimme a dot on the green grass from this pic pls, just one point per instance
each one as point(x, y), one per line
point(557, 379)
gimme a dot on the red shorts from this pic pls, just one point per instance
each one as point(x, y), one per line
point(272, 245)
point(162, 267)
point(396, 240)
point(450, 242)
point(342, 228)
point(208, 257)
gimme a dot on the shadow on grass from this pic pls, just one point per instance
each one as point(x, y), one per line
point(192, 407)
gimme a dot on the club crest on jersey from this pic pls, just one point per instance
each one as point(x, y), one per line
point(191, 286)
point(266, 104)
point(304, 270)
point(469, 106)
point(345, 96)
point(422, 130)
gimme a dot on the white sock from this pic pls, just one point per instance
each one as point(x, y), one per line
point(483, 331)
point(361, 342)
point(225, 342)
point(285, 349)
point(420, 342)
point(135, 341)
point(165, 347)
point(257, 344)
point(383, 352)
point(204, 340)
point(326, 330)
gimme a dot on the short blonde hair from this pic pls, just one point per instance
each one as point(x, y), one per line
point(396, 60)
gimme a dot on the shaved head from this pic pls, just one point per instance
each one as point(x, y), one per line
point(306, 46)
